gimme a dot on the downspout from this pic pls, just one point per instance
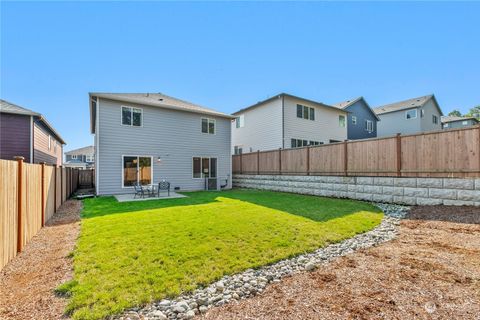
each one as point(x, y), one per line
point(31, 139)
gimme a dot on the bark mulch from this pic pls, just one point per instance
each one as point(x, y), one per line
point(431, 271)
point(27, 282)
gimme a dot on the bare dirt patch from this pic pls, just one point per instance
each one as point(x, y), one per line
point(27, 282)
point(431, 271)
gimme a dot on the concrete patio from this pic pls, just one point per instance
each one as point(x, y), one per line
point(131, 197)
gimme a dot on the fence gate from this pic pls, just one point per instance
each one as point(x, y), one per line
point(85, 178)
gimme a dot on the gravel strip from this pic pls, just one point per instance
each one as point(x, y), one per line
point(27, 282)
point(252, 282)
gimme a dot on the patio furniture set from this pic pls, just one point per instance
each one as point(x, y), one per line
point(151, 190)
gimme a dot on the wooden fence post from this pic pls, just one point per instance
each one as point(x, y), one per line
point(258, 162)
point(308, 160)
point(19, 203)
point(55, 188)
point(345, 157)
point(241, 163)
point(399, 155)
point(43, 194)
point(280, 161)
point(61, 185)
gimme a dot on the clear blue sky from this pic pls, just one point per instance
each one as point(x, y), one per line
point(229, 55)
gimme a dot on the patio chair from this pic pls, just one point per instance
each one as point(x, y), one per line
point(139, 190)
point(163, 185)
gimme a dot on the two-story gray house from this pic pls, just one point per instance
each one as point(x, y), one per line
point(81, 158)
point(361, 120)
point(450, 122)
point(287, 121)
point(409, 116)
point(150, 137)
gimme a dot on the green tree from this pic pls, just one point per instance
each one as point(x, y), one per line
point(474, 112)
point(455, 113)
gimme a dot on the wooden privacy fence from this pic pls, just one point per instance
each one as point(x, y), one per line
point(448, 153)
point(29, 196)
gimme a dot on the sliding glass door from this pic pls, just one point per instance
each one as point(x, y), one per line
point(137, 169)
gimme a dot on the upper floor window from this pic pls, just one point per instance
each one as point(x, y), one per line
point(354, 120)
point(49, 142)
point(422, 113)
point(208, 126)
point(411, 114)
point(89, 158)
point(369, 125)
point(74, 156)
point(341, 121)
point(305, 112)
point(464, 123)
point(131, 116)
point(237, 150)
point(240, 121)
point(434, 119)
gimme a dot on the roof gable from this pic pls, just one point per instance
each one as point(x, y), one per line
point(406, 104)
point(348, 103)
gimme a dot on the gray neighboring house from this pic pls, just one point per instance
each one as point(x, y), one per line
point(450, 122)
point(287, 121)
point(151, 137)
point(409, 116)
point(82, 158)
point(361, 120)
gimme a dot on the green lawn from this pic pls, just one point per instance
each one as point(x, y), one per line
point(132, 253)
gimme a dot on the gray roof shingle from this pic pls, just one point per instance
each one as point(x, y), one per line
point(453, 118)
point(160, 100)
point(9, 107)
point(84, 150)
point(403, 105)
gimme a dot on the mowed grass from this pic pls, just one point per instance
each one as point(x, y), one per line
point(129, 254)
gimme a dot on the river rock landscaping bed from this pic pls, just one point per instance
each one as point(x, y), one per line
point(252, 282)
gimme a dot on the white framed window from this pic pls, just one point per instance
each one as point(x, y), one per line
point(341, 121)
point(74, 156)
point(464, 123)
point(305, 112)
point(445, 125)
point(298, 143)
point(89, 158)
point(136, 169)
point(422, 113)
point(208, 126)
point(237, 150)
point(434, 119)
point(132, 116)
point(204, 167)
point(240, 121)
point(369, 125)
point(411, 114)
point(354, 120)
point(49, 142)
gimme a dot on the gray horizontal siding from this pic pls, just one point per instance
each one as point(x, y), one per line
point(174, 135)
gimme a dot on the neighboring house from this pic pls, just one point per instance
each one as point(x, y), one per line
point(26, 133)
point(148, 138)
point(409, 116)
point(450, 122)
point(82, 158)
point(287, 121)
point(362, 121)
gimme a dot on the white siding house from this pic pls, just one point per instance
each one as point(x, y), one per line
point(409, 116)
point(286, 121)
point(148, 138)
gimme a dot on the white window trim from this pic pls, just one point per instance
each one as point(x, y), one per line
point(151, 168)
point(434, 119)
point(74, 156)
point(344, 121)
point(354, 120)
point(369, 122)
point(208, 123)
point(209, 166)
point(416, 114)
point(129, 125)
point(464, 123)
point(308, 116)
point(241, 121)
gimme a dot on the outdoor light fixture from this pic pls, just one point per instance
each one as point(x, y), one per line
point(159, 159)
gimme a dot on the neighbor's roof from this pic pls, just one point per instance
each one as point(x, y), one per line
point(347, 103)
point(405, 104)
point(84, 150)
point(8, 107)
point(453, 119)
point(160, 100)
point(280, 95)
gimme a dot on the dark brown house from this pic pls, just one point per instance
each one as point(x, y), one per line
point(26, 133)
